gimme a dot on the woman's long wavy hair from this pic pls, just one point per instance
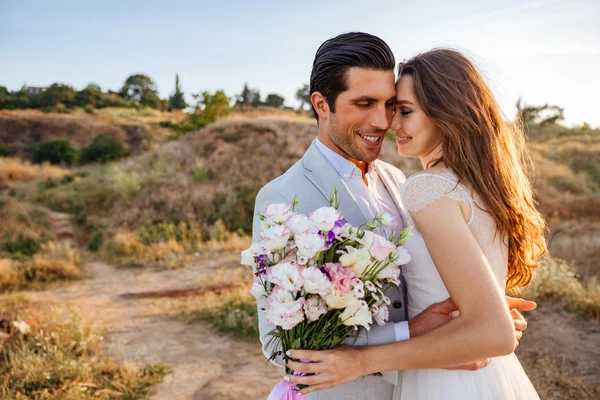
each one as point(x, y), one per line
point(483, 150)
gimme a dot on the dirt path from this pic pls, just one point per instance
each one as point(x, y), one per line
point(560, 350)
point(205, 364)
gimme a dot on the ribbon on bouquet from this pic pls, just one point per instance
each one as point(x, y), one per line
point(285, 390)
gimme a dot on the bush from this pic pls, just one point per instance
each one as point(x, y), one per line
point(47, 184)
point(103, 148)
point(3, 152)
point(21, 247)
point(67, 179)
point(54, 151)
point(95, 242)
point(235, 209)
point(200, 174)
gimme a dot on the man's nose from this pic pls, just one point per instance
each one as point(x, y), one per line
point(382, 118)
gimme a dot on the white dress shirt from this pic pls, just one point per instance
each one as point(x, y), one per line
point(373, 199)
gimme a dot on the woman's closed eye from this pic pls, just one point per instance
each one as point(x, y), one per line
point(405, 111)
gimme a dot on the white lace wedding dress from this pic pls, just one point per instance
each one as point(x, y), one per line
point(504, 378)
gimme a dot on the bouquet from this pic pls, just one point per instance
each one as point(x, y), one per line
point(322, 277)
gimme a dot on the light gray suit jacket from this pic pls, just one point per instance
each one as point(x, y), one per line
point(312, 179)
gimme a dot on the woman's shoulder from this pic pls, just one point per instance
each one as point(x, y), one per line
point(432, 178)
point(425, 187)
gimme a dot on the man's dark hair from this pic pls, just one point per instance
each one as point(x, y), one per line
point(337, 55)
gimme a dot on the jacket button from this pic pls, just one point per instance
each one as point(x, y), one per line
point(397, 304)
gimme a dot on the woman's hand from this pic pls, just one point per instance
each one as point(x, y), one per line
point(329, 367)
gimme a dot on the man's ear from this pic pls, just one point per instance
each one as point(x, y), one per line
point(321, 106)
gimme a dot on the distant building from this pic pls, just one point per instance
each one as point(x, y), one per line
point(33, 89)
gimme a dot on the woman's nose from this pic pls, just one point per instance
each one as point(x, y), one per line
point(396, 124)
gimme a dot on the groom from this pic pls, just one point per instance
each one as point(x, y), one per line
point(353, 97)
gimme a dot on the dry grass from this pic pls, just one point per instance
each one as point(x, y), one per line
point(551, 380)
point(139, 130)
point(558, 282)
point(53, 262)
point(16, 169)
point(60, 357)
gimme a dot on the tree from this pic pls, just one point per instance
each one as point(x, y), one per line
point(177, 100)
point(57, 94)
point(212, 106)
point(255, 100)
point(274, 100)
point(245, 98)
point(91, 95)
point(140, 89)
point(540, 115)
point(248, 98)
point(303, 95)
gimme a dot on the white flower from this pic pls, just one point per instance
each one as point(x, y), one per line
point(386, 220)
point(391, 272)
point(280, 295)
point(286, 315)
point(403, 255)
point(357, 315)
point(386, 300)
point(359, 292)
point(357, 259)
point(275, 238)
point(302, 260)
point(286, 275)
point(301, 224)
point(370, 287)
point(314, 307)
point(345, 231)
point(357, 283)
point(315, 281)
point(249, 254)
point(381, 315)
point(325, 217)
point(309, 244)
point(266, 224)
point(258, 290)
point(278, 212)
point(379, 247)
point(358, 288)
point(337, 300)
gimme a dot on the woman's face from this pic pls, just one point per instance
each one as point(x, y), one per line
point(416, 133)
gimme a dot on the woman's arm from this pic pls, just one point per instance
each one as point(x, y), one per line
point(483, 329)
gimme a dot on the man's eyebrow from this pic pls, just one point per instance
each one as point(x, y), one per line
point(363, 98)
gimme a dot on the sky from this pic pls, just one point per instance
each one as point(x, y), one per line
point(545, 51)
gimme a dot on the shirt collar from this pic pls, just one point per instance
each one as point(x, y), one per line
point(344, 167)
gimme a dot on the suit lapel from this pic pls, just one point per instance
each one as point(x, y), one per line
point(325, 178)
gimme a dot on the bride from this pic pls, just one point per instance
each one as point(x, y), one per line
point(476, 234)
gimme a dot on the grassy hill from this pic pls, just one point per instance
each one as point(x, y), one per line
point(211, 176)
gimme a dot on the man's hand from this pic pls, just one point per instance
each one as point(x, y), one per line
point(439, 314)
point(516, 305)
point(432, 317)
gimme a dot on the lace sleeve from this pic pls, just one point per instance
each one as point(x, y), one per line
point(423, 189)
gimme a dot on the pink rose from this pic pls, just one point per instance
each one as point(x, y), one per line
point(342, 276)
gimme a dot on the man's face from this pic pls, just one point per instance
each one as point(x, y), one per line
point(363, 113)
